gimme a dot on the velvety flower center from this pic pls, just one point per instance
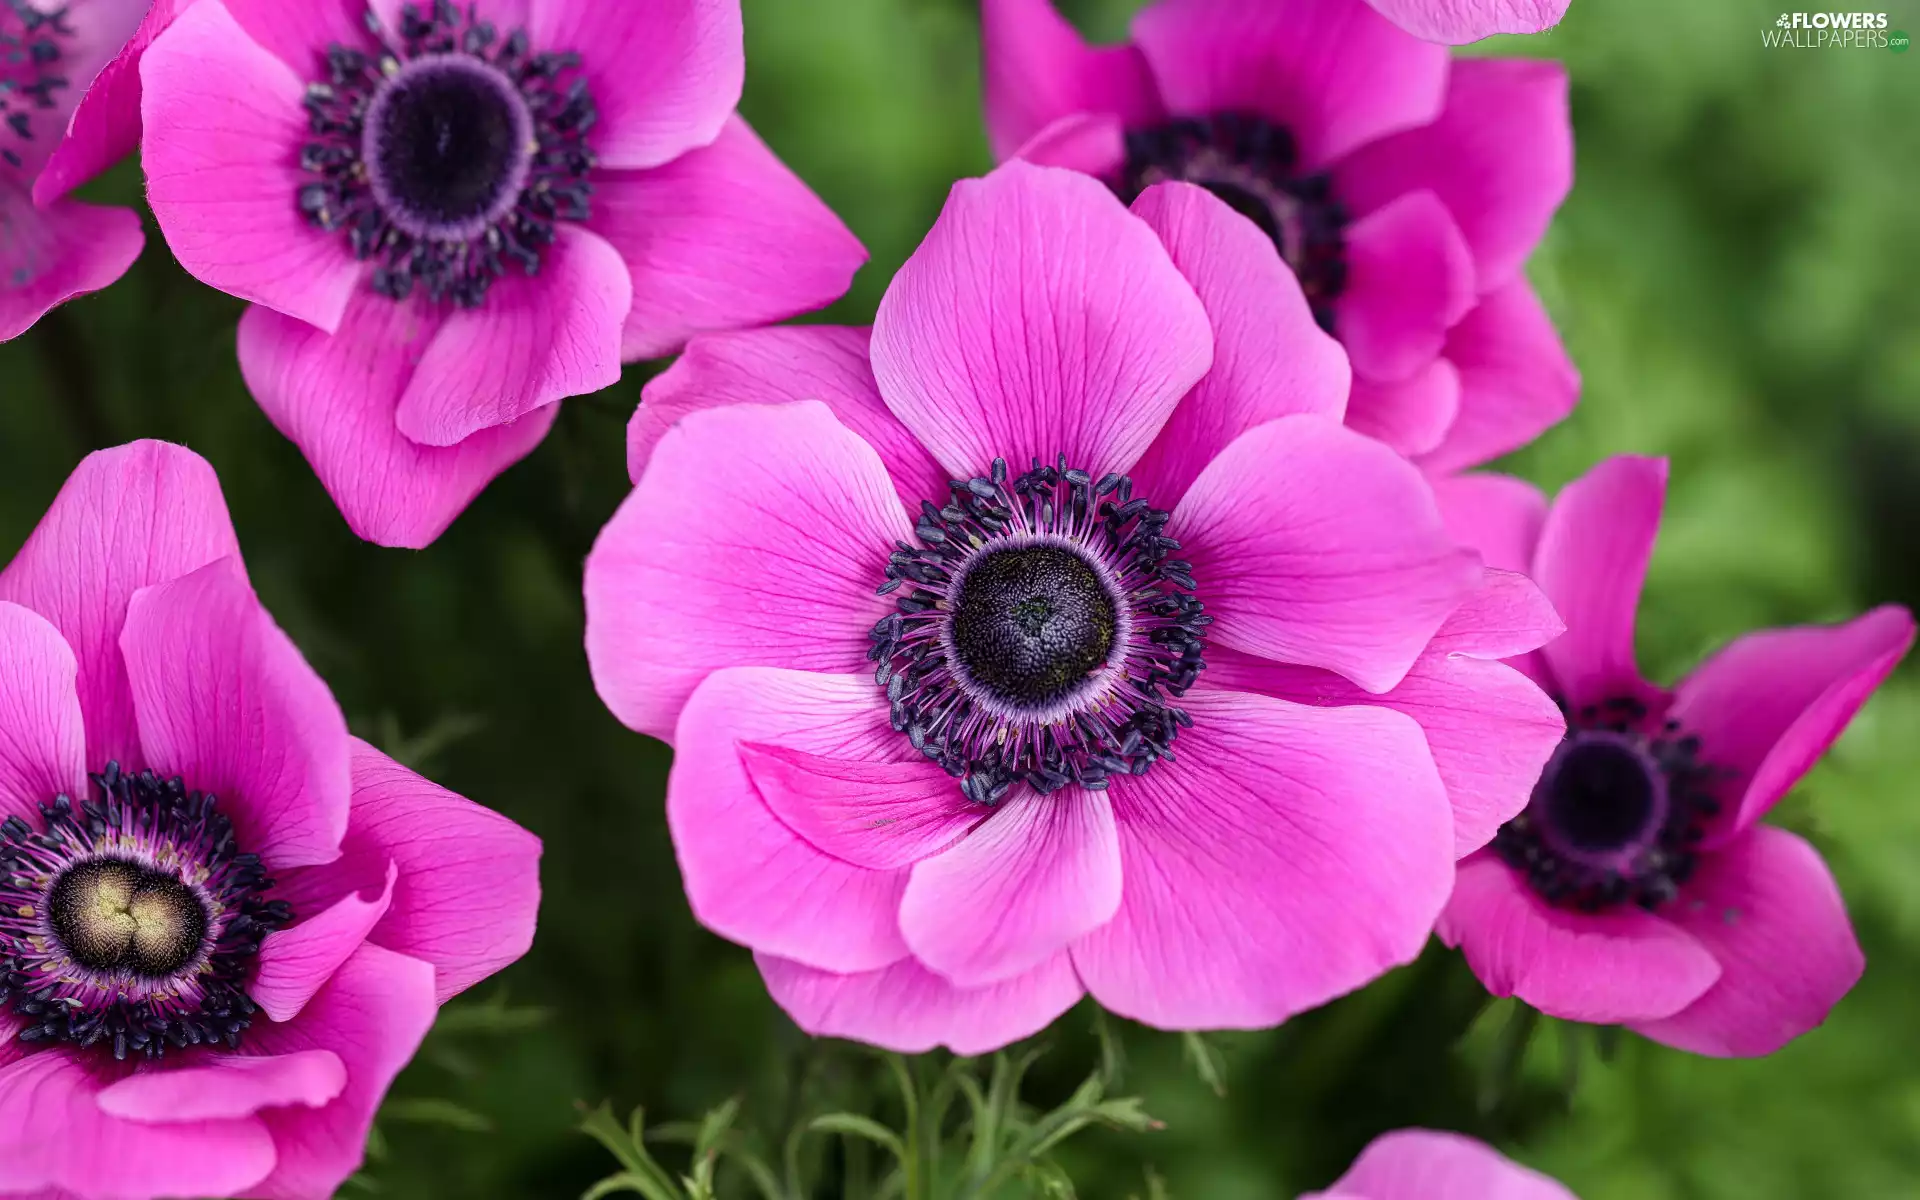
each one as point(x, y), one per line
point(1042, 627)
point(447, 153)
point(31, 72)
point(131, 922)
point(1617, 813)
point(1253, 165)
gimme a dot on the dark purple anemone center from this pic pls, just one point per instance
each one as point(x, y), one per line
point(1254, 166)
point(1041, 629)
point(31, 71)
point(132, 922)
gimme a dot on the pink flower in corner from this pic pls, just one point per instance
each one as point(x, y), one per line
point(1424, 1164)
point(1640, 886)
point(450, 217)
point(225, 924)
point(1456, 22)
point(942, 813)
point(1404, 188)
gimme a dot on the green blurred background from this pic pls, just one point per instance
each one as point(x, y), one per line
point(1733, 275)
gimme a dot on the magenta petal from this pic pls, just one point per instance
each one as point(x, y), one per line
point(909, 1009)
point(1413, 415)
point(879, 815)
point(1036, 69)
point(299, 34)
point(334, 396)
point(135, 515)
point(1423, 1164)
point(1409, 279)
point(1767, 706)
point(1289, 855)
point(1768, 909)
point(1498, 515)
point(105, 126)
point(1038, 318)
point(1603, 968)
point(43, 741)
point(1334, 72)
point(665, 74)
point(227, 1086)
point(724, 237)
point(1317, 546)
point(1457, 22)
point(295, 963)
point(827, 363)
point(1090, 143)
point(1270, 359)
point(1515, 379)
point(225, 700)
point(223, 126)
point(1034, 876)
point(757, 535)
point(50, 255)
point(1508, 615)
point(750, 877)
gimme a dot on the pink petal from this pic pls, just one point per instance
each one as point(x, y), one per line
point(1625, 964)
point(878, 815)
point(1508, 615)
point(334, 396)
point(723, 237)
point(374, 1015)
point(1036, 875)
point(226, 1086)
point(1457, 22)
point(296, 962)
point(54, 1135)
point(43, 741)
point(299, 34)
point(1413, 415)
point(751, 878)
point(665, 75)
point(105, 126)
point(1036, 69)
point(1317, 546)
point(50, 255)
point(1768, 909)
point(1767, 706)
point(1289, 855)
point(757, 535)
point(1498, 515)
point(1038, 318)
point(909, 1009)
point(1269, 357)
point(1515, 379)
point(135, 515)
point(1090, 143)
point(223, 126)
point(1591, 562)
point(1423, 1164)
point(1334, 72)
point(1500, 157)
point(827, 363)
point(1409, 279)
point(226, 702)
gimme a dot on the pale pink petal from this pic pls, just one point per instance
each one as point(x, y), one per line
point(1413, 415)
point(50, 255)
point(334, 396)
point(1409, 279)
point(1269, 357)
point(296, 962)
point(225, 1086)
point(105, 126)
point(1498, 515)
point(1317, 546)
point(1457, 22)
point(1090, 143)
point(909, 1009)
point(1037, 874)
point(879, 815)
point(1423, 1164)
point(757, 535)
point(724, 237)
point(43, 741)
point(1768, 909)
point(1625, 964)
point(827, 363)
point(225, 701)
point(1507, 616)
point(135, 515)
point(1038, 318)
point(1334, 72)
point(222, 128)
point(751, 878)
point(1036, 69)
point(1767, 706)
point(1289, 855)
point(1515, 379)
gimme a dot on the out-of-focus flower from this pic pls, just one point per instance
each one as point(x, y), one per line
point(1424, 1164)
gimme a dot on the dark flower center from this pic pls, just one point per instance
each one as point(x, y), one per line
point(30, 69)
point(1031, 623)
point(1603, 793)
point(1253, 165)
point(446, 146)
point(115, 915)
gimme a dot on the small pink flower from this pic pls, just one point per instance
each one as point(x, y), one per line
point(1405, 189)
point(942, 813)
point(1423, 1164)
point(451, 217)
point(1456, 22)
point(225, 924)
point(1639, 887)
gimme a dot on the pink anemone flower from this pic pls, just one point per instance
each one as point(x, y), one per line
point(1424, 1164)
point(225, 924)
point(450, 217)
point(1403, 188)
point(53, 249)
point(1639, 886)
point(1456, 22)
point(930, 614)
